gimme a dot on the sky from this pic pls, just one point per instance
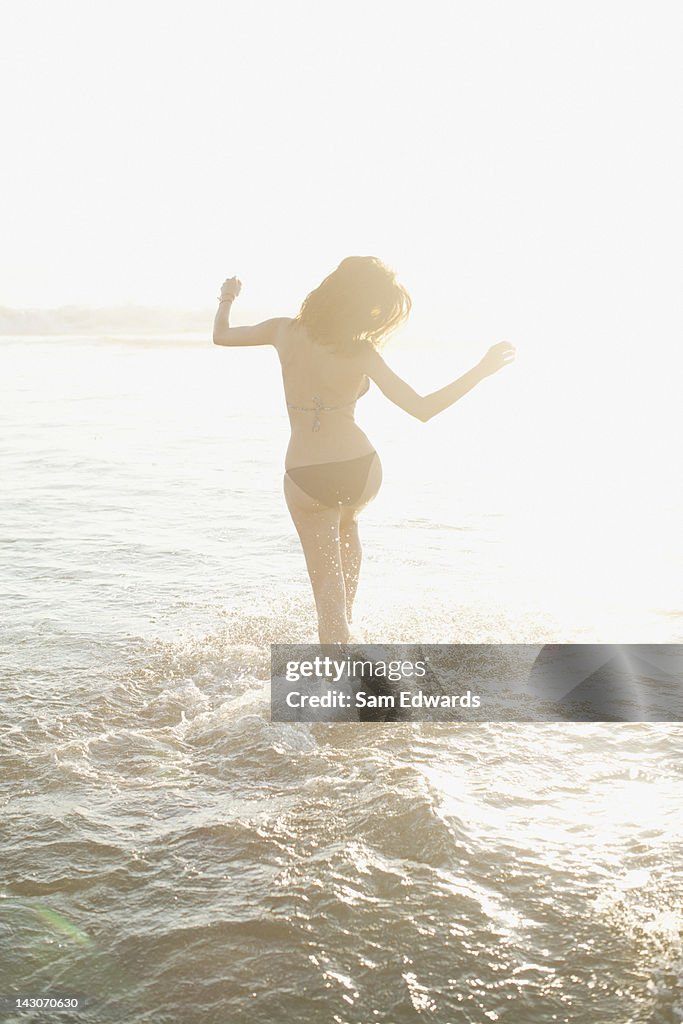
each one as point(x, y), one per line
point(493, 153)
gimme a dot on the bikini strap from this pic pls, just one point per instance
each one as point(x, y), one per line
point(318, 408)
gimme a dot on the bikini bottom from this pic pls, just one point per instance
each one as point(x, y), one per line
point(335, 483)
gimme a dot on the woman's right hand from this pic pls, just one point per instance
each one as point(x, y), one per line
point(496, 358)
point(231, 288)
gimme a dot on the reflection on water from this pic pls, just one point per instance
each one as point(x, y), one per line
point(172, 855)
point(218, 863)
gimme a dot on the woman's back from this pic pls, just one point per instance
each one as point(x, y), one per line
point(321, 389)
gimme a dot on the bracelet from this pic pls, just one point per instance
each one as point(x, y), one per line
point(227, 298)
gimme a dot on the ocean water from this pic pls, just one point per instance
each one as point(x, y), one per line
point(169, 854)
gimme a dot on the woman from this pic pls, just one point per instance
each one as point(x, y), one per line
point(327, 354)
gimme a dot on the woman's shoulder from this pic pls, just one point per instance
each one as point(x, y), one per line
point(367, 356)
point(282, 329)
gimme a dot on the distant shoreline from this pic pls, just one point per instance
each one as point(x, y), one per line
point(136, 323)
point(116, 320)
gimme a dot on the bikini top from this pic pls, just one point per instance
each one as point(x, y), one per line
point(318, 406)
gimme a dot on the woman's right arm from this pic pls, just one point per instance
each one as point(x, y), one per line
point(423, 407)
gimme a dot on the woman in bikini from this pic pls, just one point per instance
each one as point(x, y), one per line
point(328, 353)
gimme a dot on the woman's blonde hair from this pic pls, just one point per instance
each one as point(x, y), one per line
point(359, 301)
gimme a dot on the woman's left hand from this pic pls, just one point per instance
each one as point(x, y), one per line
point(231, 288)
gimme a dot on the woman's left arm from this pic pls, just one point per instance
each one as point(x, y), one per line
point(264, 333)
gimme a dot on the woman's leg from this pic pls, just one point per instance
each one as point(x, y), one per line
point(318, 529)
point(351, 555)
point(350, 545)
